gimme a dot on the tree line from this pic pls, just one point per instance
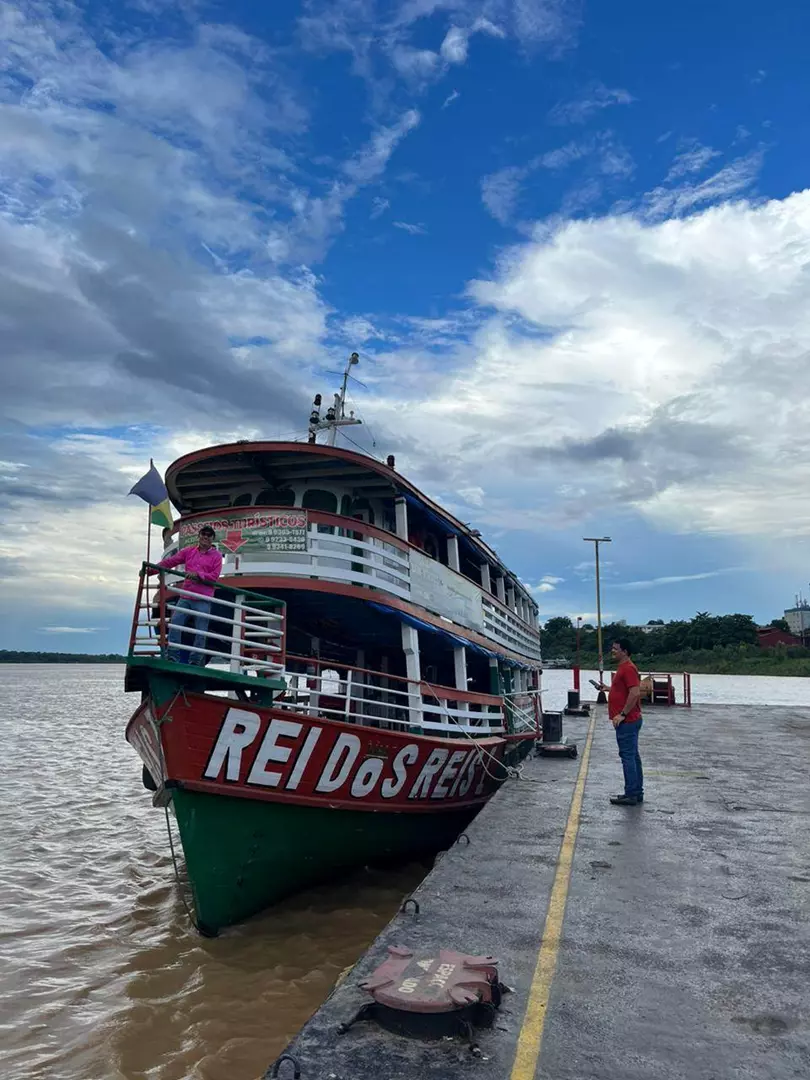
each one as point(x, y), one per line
point(703, 631)
point(17, 656)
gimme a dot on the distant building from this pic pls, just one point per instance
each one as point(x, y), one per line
point(648, 628)
point(798, 619)
point(769, 637)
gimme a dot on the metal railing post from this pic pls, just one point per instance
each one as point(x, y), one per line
point(238, 632)
point(347, 711)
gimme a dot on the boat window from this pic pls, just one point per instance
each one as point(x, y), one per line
point(244, 499)
point(317, 499)
point(361, 509)
point(276, 497)
point(346, 506)
point(325, 501)
point(431, 546)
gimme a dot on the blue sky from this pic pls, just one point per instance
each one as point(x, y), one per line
point(570, 243)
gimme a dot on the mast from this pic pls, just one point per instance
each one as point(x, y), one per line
point(336, 413)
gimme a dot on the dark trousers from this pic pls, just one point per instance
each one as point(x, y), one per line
point(627, 738)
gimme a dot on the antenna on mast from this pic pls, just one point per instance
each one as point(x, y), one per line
point(336, 413)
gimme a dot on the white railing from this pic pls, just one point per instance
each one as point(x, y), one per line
point(243, 628)
point(526, 711)
point(372, 698)
point(510, 630)
point(368, 562)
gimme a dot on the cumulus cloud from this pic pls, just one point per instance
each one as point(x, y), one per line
point(626, 368)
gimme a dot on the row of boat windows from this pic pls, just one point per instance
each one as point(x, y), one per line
point(313, 499)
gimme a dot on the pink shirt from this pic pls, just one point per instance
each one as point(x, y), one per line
point(208, 564)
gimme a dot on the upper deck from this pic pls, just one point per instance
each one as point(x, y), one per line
point(355, 523)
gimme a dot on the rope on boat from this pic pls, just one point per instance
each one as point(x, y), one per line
point(512, 772)
point(180, 886)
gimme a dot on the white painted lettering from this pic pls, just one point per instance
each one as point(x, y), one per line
point(469, 776)
point(479, 790)
point(461, 773)
point(239, 729)
point(339, 764)
point(366, 777)
point(433, 764)
point(271, 751)
point(313, 735)
point(443, 973)
point(449, 772)
point(407, 756)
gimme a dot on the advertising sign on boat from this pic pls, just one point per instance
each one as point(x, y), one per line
point(266, 530)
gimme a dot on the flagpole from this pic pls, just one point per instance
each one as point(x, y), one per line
point(149, 523)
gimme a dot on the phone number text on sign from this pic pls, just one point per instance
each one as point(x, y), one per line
point(283, 531)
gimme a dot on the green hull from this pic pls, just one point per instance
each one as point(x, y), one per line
point(243, 855)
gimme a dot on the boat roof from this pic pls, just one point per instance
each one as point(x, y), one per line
point(198, 481)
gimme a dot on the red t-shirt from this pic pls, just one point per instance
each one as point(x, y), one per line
point(626, 677)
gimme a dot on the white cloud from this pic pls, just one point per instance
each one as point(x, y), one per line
point(455, 46)
point(410, 227)
point(383, 44)
point(733, 179)
point(500, 191)
point(593, 100)
point(454, 96)
point(71, 629)
point(370, 162)
point(604, 161)
point(625, 370)
point(692, 158)
point(416, 65)
point(676, 579)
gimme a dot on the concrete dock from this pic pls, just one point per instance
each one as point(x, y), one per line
point(669, 941)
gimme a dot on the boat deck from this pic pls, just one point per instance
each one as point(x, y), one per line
point(669, 941)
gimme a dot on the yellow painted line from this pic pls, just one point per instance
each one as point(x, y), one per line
point(530, 1038)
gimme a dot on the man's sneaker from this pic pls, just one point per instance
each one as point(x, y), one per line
point(624, 800)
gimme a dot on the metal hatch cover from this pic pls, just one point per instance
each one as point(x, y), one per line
point(433, 983)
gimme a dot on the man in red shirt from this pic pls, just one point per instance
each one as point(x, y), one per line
point(625, 715)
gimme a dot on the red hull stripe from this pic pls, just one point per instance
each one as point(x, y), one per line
point(240, 749)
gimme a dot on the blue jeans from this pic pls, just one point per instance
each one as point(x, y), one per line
point(197, 611)
point(627, 738)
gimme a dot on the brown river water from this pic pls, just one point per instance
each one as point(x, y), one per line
point(101, 975)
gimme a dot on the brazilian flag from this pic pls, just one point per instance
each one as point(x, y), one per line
point(152, 490)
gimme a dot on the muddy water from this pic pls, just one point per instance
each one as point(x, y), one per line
point(101, 976)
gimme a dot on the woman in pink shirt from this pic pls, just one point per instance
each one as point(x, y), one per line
point(203, 565)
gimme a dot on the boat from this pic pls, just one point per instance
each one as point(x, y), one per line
point(371, 670)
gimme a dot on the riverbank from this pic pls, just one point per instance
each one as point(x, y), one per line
point(13, 656)
point(716, 662)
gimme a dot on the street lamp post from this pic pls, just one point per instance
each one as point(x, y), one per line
point(596, 541)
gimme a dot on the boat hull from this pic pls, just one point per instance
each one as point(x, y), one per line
point(244, 855)
point(270, 801)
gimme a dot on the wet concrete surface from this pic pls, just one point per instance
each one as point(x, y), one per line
point(685, 952)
